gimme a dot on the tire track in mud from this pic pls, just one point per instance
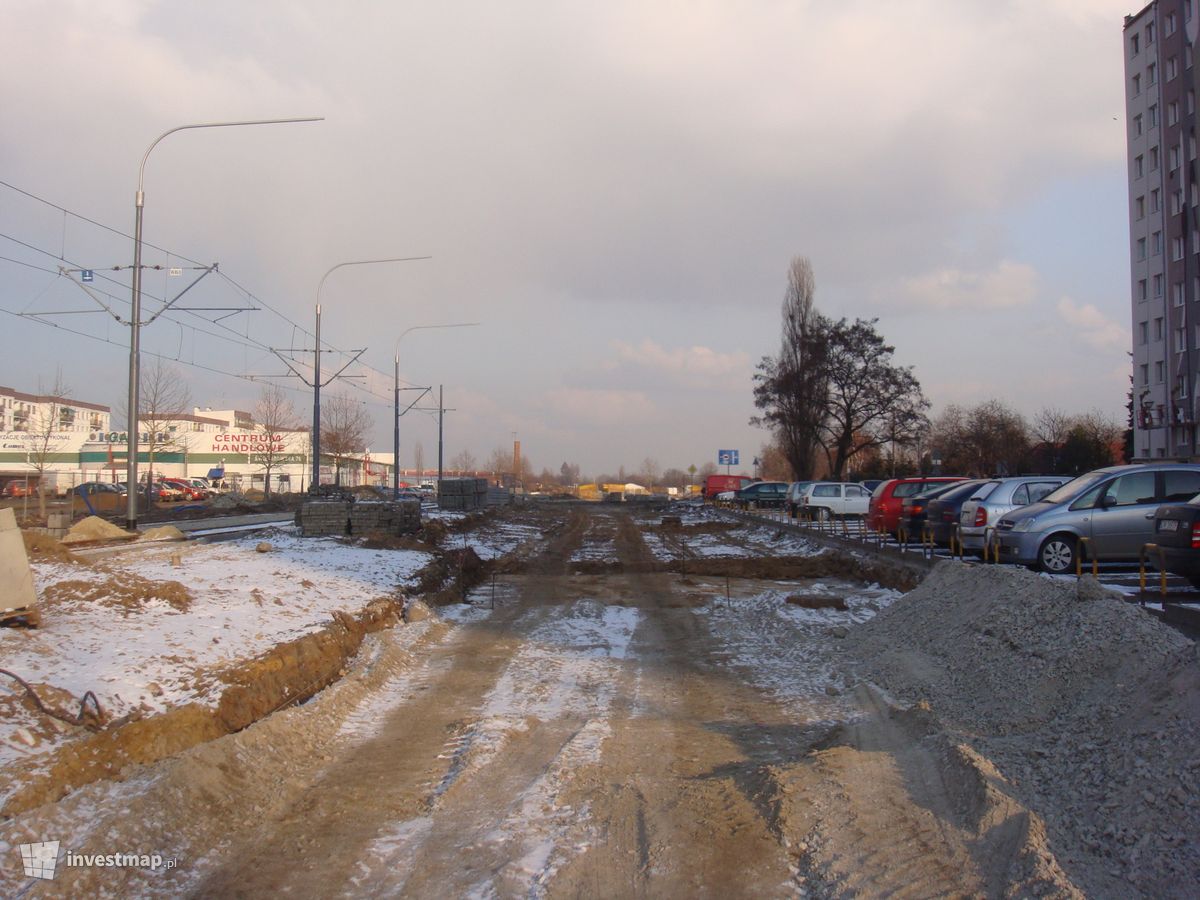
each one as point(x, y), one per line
point(587, 739)
point(395, 812)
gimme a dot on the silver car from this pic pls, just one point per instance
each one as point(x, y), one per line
point(985, 507)
point(1106, 515)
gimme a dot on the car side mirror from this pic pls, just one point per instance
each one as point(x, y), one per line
point(1107, 502)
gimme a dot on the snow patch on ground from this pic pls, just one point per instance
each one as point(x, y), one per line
point(785, 649)
point(152, 659)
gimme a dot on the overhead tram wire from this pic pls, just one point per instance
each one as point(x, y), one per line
point(247, 342)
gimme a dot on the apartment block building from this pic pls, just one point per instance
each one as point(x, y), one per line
point(24, 413)
point(1164, 237)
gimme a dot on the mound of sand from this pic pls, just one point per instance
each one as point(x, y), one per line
point(1087, 704)
point(42, 547)
point(126, 591)
point(94, 528)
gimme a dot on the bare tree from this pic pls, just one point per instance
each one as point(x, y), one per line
point(344, 426)
point(501, 461)
point(651, 471)
point(419, 459)
point(164, 399)
point(273, 415)
point(464, 461)
point(792, 388)
point(44, 429)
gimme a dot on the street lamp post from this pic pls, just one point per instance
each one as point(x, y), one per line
point(316, 426)
point(396, 426)
point(135, 319)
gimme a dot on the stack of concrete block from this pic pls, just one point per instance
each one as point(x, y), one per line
point(400, 517)
point(463, 494)
point(340, 517)
point(324, 517)
point(498, 496)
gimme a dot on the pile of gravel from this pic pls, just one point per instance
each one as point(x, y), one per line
point(1089, 706)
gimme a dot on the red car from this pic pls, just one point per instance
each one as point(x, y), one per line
point(189, 490)
point(884, 511)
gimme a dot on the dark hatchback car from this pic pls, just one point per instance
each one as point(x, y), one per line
point(914, 509)
point(1177, 533)
point(941, 513)
point(762, 495)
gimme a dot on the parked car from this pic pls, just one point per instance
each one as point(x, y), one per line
point(1114, 508)
point(96, 487)
point(825, 499)
point(20, 488)
point(792, 500)
point(884, 511)
point(913, 510)
point(188, 490)
point(718, 484)
point(870, 484)
point(942, 511)
point(1177, 533)
point(982, 511)
point(762, 495)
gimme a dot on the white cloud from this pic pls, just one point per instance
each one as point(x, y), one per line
point(694, 364)
point(1008, 285)
point(600, 407)
point(1093, 327)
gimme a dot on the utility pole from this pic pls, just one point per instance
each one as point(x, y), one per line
point(441, 417)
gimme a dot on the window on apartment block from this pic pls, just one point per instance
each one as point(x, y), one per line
point(1141, 248)
point(1160, 372)
point(1191, 102)
point(1135, 44)
point(1177, 293)
point(1143, 332)
point(1149, 33)
point(1155, 200)
point(1141, 289)
point(1187, 10)
point(1153, 158)
point(1173, 158)
point(1139, 166)
point(1152, 76)
point(1172, 67)
point(1158, 285)
point(1152, 115)
point(1173, 113)
point(1145, 373)
point(1156, 243)
point(1180, 339)
point(1176, 202)
point(1137, 125)
point(1176, 248)
point(1158, 329)
point(1139, 207)
point(1181, 386)
point(1169, 25)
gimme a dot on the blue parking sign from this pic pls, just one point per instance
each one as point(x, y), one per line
point(727, 457)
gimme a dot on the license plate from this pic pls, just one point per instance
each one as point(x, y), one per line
point(1168, 525)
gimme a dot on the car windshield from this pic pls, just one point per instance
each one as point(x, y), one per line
point(1073, 487)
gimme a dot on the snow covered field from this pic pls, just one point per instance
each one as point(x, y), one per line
point(138, 652)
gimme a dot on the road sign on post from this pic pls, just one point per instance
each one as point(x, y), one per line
point(727, 458)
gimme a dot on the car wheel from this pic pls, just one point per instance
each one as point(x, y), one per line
point(1057, 554)
point(823, 514)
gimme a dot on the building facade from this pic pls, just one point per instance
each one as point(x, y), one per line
point(66, 442)
point(1164, 240)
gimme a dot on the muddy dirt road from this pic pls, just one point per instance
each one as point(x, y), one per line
point(609, 729)
point(587, 738)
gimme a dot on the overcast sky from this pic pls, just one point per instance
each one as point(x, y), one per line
point(614, 190)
